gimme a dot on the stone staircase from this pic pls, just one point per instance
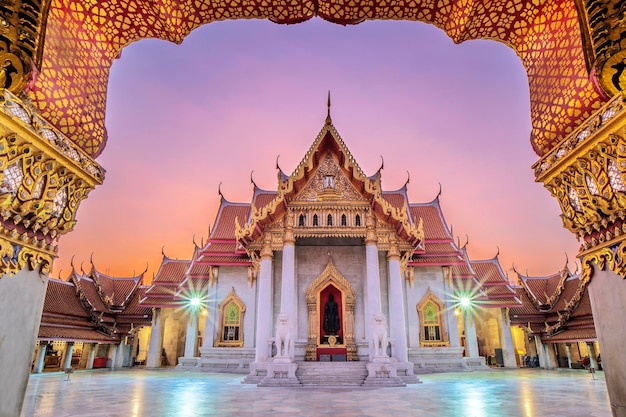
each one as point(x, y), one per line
point(331, 374)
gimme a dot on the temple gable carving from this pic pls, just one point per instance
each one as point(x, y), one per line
point(329, 183)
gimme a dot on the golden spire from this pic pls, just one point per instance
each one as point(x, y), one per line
point(328, 119)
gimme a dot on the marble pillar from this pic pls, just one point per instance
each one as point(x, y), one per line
point(451, 314)
point(67, 359)
point(21, 303)
point(264, 305)
point(211, 320)
point(506, 340)
point(541, 352)
point(592, 355)
point(156, 340)
point(288, 280)
point(568, 352)
point(471, 343)
point(113, 353)
point(92, 355)
point(552, 359)
point(607, 292)
point(41, 357)
point(397, 315)
point(191, 337)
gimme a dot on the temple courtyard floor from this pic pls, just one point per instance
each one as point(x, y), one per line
point(168, 393)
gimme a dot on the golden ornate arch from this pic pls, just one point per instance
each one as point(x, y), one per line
point(241, 308)
point(330, 275)
point(444, 340)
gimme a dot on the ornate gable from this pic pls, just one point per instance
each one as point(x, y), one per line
point(329, 183)
point(327, 193)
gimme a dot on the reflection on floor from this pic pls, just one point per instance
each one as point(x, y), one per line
point(167, 393)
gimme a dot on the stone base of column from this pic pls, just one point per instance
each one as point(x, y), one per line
point(258, 371)
point(280, 374)
point(187, 364)
point(383, 373)
point(476, 363)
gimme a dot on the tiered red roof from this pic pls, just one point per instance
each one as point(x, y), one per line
point(166, 282)
point(556, 307)
point(494, 284)
point(83, 310)
point(439, 248)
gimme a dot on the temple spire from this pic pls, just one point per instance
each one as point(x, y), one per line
point(328, 119)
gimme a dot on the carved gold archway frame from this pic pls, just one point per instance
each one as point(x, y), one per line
point(330, 275)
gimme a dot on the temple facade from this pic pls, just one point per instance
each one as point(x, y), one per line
point(336, 263)
point(327, 268)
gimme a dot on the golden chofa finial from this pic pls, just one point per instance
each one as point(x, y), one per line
point(328, 119)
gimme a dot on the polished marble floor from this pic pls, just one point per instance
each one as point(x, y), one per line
point(167, 393)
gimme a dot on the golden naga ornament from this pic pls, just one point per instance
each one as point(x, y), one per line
point(43, 179)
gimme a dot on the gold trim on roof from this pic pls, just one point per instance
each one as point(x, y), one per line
point(372, 186)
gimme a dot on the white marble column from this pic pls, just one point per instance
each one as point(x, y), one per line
point(552, 359)
point(568, 352)
point(450, 313)
point(541, 352)
point(396, 304)
point(264, 304)
point(191, 337)
point(471, 343)
point(506, 340)
point(115, 349)
point(92, 355)
point(156, 340)
point(592, 355)
point(41, 356)
point(288, 281)
point(211, 320)
point(67, 359)
point(372, 274)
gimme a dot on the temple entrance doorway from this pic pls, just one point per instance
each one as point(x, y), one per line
point(330, 304)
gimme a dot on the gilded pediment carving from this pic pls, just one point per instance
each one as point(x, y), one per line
point(329, 183)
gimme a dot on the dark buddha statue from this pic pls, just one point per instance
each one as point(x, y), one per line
point(331, 316)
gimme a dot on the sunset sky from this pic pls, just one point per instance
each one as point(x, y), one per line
point(235, 95)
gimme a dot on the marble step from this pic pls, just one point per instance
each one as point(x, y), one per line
point(325, 374)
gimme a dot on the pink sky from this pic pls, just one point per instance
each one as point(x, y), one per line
point(235, 95)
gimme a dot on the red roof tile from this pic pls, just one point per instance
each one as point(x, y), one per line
point(435, 226)
point(224, 228)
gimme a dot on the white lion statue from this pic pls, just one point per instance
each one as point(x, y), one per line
point(283, 336)
point(379, 335)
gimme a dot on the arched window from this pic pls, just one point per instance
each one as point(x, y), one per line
point(344, 221)
point(301, 220)
point(230, 331)
point(315, 220)
point(432, 331)
point(357, 220)
point(329, 220)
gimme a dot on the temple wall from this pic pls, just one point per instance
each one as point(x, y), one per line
point(311, 261)
point(236, 277)
point(425, 278)
point(21, 304)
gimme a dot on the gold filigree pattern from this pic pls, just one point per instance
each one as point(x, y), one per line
point(82, 38)
point(43, 179)
point(604, 42)
point(22, 30)
point(587, 177)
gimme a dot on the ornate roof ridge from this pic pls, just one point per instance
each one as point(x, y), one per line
point(245, 231)
point(223, 204)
